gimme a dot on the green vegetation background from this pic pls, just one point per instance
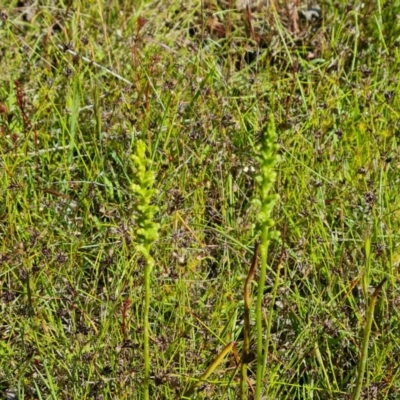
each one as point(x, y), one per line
point(81, 82)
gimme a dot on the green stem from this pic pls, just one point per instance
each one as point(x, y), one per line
point(259, 315)
point(246, 328)
point(364, 350)
point(146, 323)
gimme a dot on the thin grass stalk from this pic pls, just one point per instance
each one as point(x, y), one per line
point(230, 346)
point(364, 349)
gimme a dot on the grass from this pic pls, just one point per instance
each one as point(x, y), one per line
point(81, 86)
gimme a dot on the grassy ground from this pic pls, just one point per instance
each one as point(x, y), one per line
point(81, 83)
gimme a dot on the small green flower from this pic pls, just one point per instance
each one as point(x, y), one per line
point(142, 188)
point(268, 159)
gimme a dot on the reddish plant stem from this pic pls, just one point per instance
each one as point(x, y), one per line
point(26, 121)
point(135, 57)
point(125, 308)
